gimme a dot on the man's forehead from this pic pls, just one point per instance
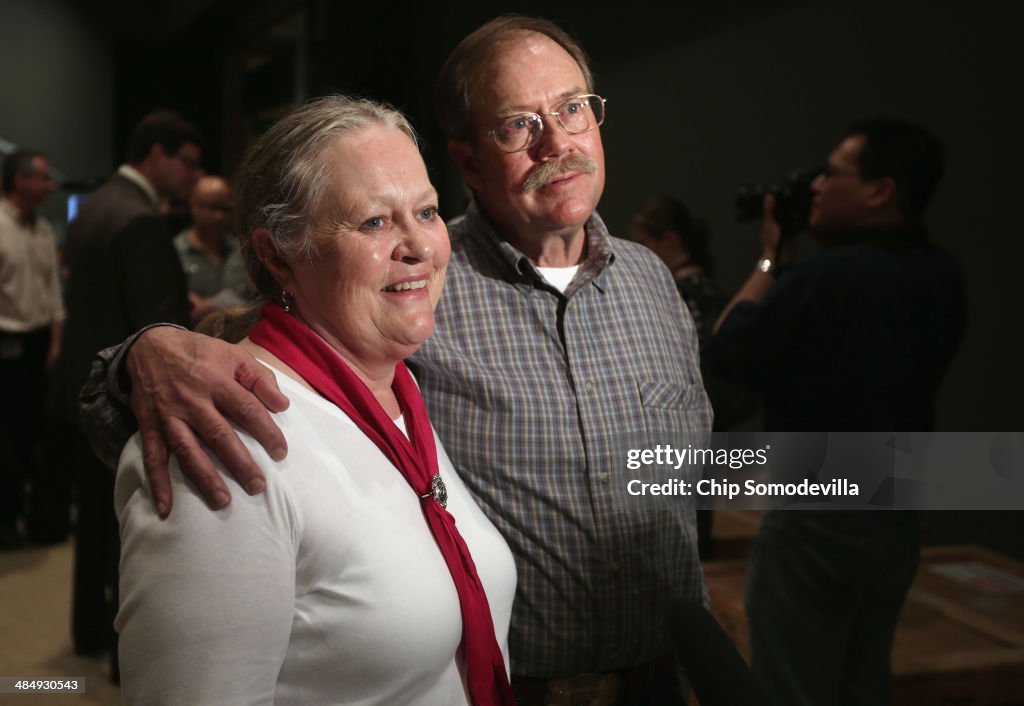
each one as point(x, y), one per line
point(212, 187)
point(849, 148)
point(506, 87)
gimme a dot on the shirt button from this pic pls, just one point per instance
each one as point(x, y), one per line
point(616, 567)
point(604, 477)
point(589, 387)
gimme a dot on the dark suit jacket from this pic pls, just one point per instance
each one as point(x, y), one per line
point(124, 274)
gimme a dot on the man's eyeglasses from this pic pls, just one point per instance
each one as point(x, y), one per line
point(523, 130)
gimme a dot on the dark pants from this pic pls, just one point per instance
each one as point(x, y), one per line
point(22, 393)
point(97, 552)
point(824, 594)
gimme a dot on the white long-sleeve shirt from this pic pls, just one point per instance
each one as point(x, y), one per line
point(327, 588)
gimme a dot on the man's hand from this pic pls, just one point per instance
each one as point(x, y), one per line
point(780, 250)
point(771, 231)
point(185, 388)
point(760, 281)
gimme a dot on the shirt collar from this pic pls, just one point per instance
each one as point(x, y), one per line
point(16, 215)
point(135, 176)
point(599, 250)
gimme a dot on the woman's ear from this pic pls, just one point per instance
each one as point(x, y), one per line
point(266, 252)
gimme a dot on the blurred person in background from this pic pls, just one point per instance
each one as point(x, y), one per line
point(854, 338)
point(123, 274)
point(209, 253)
point(31, 322)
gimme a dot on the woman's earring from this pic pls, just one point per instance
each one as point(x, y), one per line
point(287, 300)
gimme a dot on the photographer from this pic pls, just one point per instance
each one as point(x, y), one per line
point(854, 338)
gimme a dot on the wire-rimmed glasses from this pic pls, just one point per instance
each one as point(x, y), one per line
point(523, 130)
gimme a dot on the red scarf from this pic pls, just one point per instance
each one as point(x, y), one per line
point(416, 457)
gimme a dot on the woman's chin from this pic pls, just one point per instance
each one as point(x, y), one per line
point(410, 340)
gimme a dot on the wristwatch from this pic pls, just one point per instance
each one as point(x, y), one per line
point(766, 265)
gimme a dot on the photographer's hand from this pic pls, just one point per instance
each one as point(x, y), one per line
point(774, 249)
point(771, 231)
point(780, 250)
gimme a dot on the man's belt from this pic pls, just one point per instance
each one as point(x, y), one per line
point(605, 689)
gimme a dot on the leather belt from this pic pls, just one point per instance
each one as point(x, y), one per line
point(599, 689)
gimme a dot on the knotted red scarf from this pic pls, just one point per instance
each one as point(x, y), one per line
point(416, 457)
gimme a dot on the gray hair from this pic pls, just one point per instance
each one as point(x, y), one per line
point(285, 183)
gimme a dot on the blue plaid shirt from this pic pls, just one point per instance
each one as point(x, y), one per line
point(538, 396)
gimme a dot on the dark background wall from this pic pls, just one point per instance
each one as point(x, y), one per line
point(701, 98)
point(57, 86)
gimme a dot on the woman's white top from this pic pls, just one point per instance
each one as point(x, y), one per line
point(327, 588)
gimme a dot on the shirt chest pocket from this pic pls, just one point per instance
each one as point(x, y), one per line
point(674, 413)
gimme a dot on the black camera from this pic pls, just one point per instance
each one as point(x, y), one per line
point(792, 200)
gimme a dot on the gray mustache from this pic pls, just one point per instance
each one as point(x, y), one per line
point(542, 175)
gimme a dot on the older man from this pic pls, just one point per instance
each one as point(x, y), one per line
point(557, 350)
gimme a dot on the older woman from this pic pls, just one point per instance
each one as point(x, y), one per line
point(348, 580)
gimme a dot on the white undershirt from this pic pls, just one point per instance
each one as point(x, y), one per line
point(558, 277)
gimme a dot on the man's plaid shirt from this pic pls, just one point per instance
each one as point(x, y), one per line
point(537, 397)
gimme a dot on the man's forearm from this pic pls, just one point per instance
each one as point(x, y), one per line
point(753, 290)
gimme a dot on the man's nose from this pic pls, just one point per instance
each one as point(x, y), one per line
point(554, 139)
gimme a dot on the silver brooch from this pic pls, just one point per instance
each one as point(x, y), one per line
point(437, 491)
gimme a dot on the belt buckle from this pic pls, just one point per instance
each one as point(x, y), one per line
point(584, 690)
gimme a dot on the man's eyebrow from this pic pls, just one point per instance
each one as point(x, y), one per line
point(523, 108)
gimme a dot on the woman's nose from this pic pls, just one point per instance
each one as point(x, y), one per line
point(414, 245)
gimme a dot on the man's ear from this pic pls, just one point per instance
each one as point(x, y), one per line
point(883, 192)
point(465, 160)
point(266, 252)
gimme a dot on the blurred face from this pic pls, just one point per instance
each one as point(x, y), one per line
point(210, 205)
point(33, 189)
point(372, 290)
point(840, 194)
point(532, 73)
point(176, 174)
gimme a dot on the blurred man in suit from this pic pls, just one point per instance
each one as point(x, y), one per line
point(124, 274)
